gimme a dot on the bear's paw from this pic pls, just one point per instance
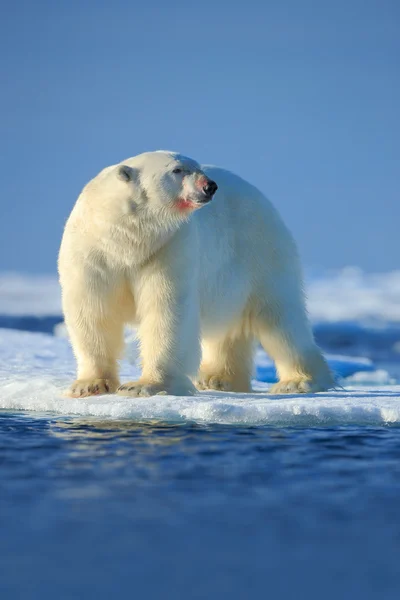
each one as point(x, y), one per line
point(82, 388)
point(214, 382)
point(146, 388)
point(298, 385)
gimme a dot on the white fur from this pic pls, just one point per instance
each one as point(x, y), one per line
point(227, 274)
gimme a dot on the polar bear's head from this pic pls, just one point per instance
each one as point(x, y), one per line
point(165, 181)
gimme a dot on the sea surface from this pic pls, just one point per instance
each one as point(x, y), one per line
point(100, 509)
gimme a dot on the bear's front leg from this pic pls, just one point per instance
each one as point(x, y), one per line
point(95, 327)
point(169, 331)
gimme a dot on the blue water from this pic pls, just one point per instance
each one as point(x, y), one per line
point(92, 509)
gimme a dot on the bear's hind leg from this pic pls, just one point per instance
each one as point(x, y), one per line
point(226, 364)
point(287, 338)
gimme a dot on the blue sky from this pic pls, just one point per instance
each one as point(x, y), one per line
point(300, 97)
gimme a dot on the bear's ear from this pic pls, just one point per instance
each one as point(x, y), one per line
point(126, 173)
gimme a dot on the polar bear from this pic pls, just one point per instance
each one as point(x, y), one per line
point(203, 278)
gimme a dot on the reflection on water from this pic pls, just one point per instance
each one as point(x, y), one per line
point(95, 509)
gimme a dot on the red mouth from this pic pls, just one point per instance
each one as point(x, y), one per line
point(183, 204)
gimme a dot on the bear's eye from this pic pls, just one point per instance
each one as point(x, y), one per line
point(177, 170)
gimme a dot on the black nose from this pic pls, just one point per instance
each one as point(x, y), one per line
point(210, 188)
